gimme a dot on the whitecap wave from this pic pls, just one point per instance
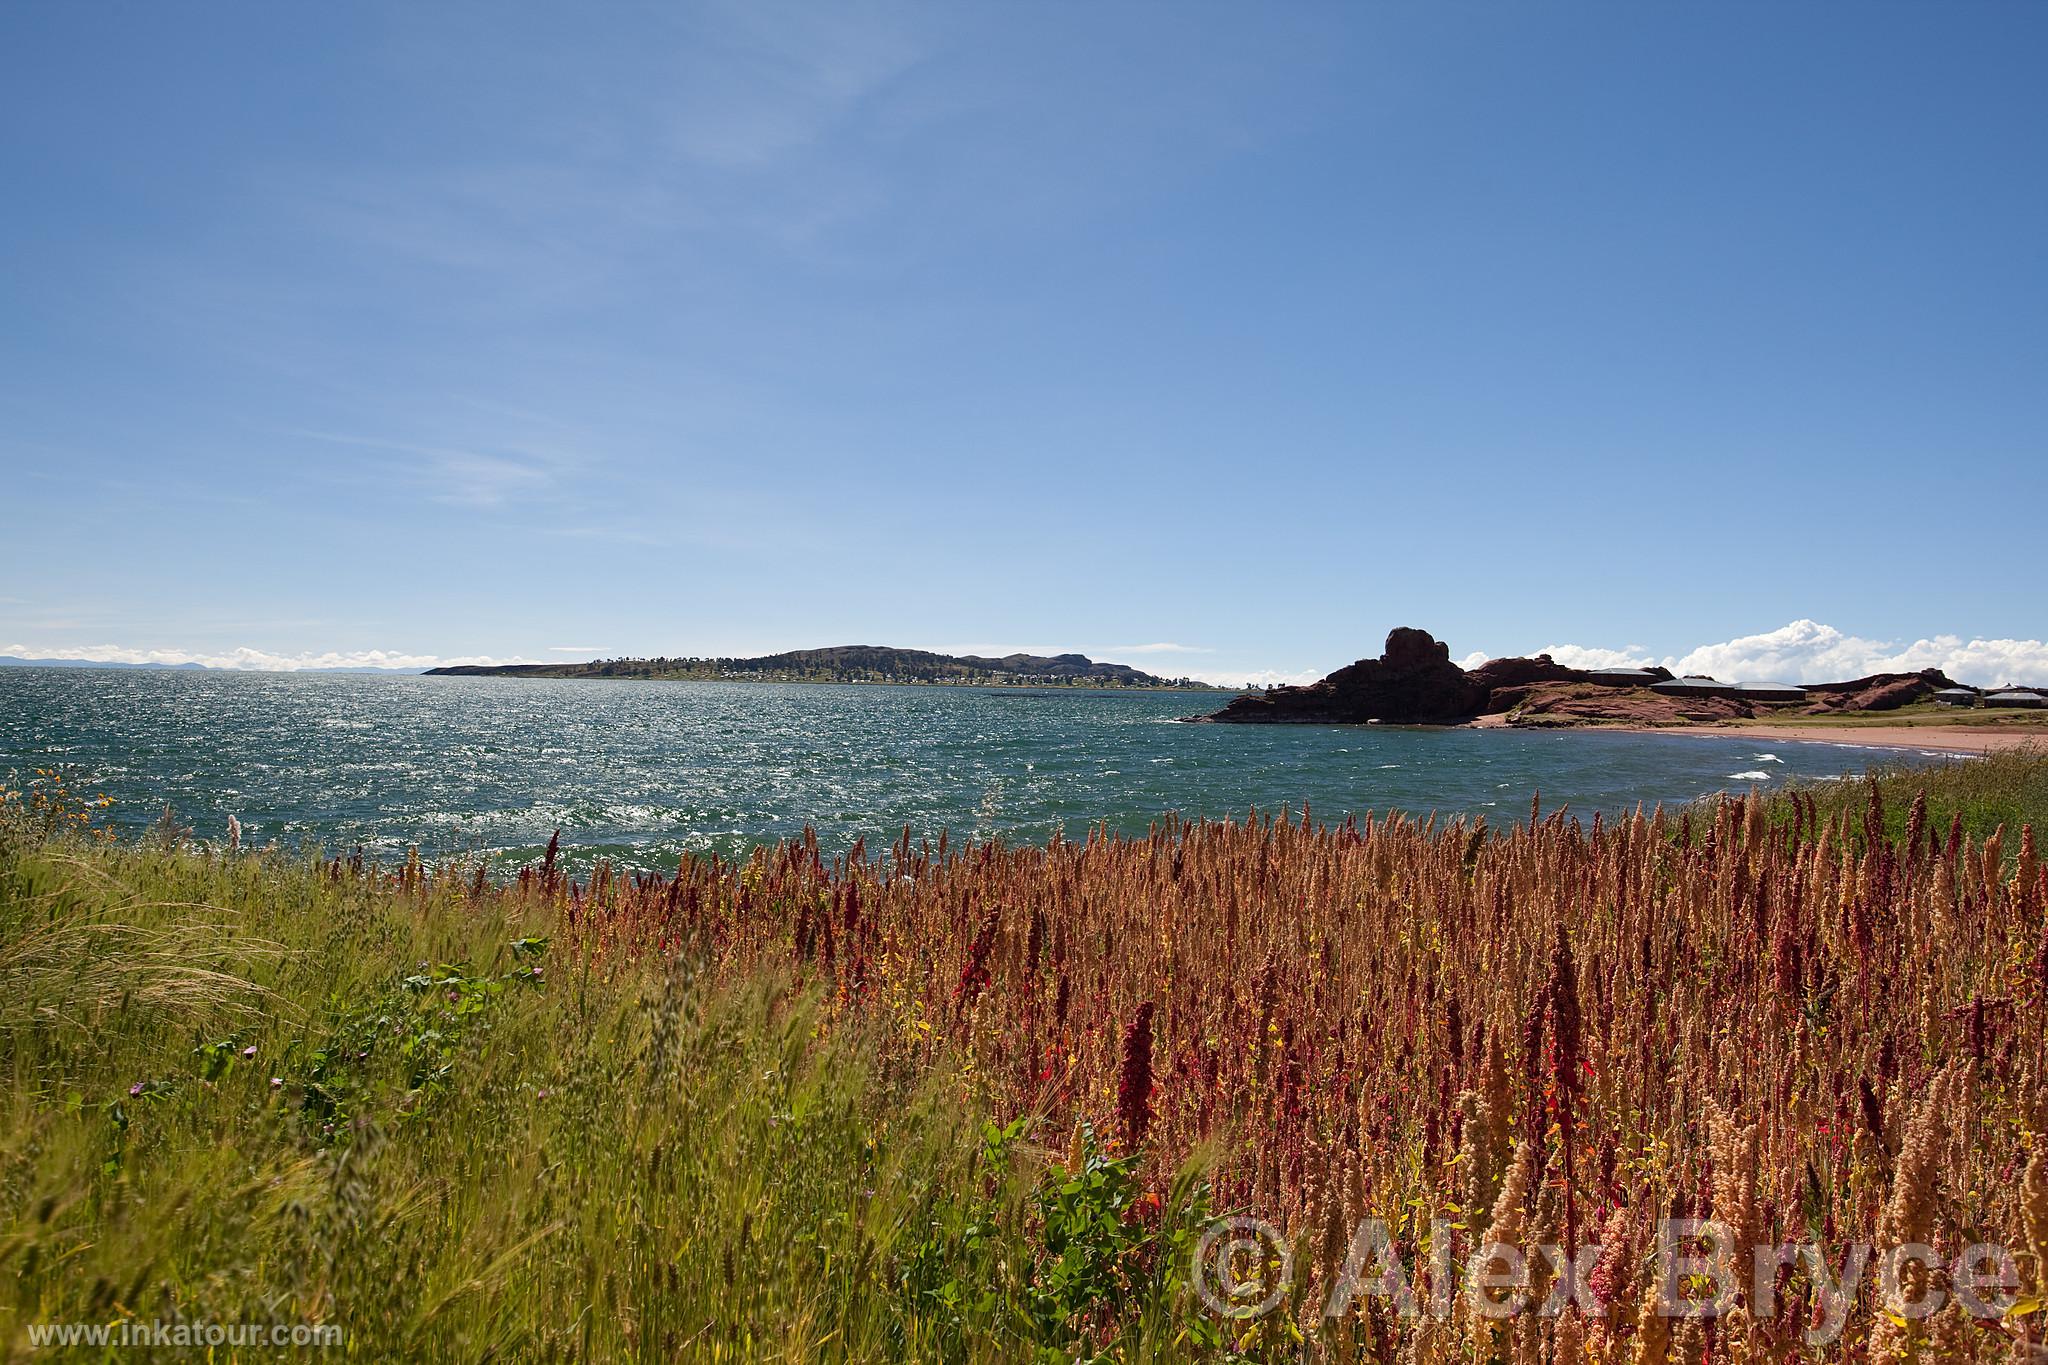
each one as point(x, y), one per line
point(1749, 777)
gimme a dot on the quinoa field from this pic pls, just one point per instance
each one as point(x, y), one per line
point(1449, 1085)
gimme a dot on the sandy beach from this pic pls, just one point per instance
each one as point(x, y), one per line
point(1959, 739)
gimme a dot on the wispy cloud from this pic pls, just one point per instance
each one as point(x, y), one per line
point(720, 119)
point(770, 80)
point(473, 478)
point(1163, 647)
point(617, 535)
point(573, 649)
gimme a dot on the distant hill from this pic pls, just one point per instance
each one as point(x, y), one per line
point(11, 661)
point(851, 663)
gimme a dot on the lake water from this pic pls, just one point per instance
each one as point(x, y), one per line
point(647, 770)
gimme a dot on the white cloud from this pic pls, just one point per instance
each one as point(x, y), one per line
point(1987, 661)
point(1806, 651)
point(1164, 647)
point(1575, 656)
point(589, 651)
point(1264, 677)
point(1579, 656)
point(249, 659)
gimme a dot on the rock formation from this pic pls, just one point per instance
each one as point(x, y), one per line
point(1496, 674)
point(1559, 704)
point(1414, 682)
point(1879, 691)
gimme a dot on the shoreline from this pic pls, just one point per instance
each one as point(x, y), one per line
point(1955, 739)
point(815, 682)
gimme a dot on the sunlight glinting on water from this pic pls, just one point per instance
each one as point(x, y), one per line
point(647, 771)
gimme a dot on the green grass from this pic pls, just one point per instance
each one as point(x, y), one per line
point(1918, 713)
point(2007, 789)
point(240, 1090)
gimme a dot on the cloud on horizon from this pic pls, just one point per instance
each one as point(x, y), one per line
point(247, 659)
point(1801, 651)
point(1805, 651)
point(1263, 677)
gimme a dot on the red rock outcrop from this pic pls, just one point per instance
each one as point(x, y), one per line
point(1413, 682)
point(1495, 674)
point(1879, 691)
point(1547, 704)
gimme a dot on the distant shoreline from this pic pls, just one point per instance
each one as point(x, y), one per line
point(989, 685)
point(71, 666)
point(856, 664)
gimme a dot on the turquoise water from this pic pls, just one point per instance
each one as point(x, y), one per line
point(647, 770)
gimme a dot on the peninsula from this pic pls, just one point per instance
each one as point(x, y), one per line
point(853, 664)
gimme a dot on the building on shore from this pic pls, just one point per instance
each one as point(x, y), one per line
point(1956, 696)
point(1776, 693)
point(1622, 677)
point(1694, 687)
point(2014, 696)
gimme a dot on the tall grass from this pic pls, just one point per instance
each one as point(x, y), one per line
point(786, 1108)
point(1743, 1008)
point(2004, 788)
point(258, 1088)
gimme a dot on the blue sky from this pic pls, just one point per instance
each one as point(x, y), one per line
point(528, 331)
